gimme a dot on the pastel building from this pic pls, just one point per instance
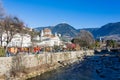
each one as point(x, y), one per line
point(48, 39)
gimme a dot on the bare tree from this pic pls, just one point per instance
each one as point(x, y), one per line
point(84, 39)
point(2, 15)
point(86, 36)
point(18, 23)
point(11, 25)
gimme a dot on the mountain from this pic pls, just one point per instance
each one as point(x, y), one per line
point(92, 30)
point(41, 28)
point(63, 28)
point(108, 29)
point(67, 30)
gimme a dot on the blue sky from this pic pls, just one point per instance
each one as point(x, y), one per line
point(78, 13)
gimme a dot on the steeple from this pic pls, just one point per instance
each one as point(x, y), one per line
point(56, 34)
point(42, 34)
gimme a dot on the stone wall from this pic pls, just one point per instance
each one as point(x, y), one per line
point(7, 64)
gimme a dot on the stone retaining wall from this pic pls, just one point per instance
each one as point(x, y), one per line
point(7, 64)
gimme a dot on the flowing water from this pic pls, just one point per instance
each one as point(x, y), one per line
point(97, 67)
point(77, 71)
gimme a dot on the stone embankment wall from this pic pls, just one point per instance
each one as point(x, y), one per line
point(7, 64)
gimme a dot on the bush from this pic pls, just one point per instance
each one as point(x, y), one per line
point(2, 52)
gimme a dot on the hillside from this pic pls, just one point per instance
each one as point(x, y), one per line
point(92, 30)
point(41, 28)
point(108, 29)
point(63, 28)
point(68, 30)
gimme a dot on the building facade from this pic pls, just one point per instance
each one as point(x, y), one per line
point(20, 40)
point(48, 39)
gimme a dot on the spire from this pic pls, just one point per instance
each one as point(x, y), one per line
point(55, 34)
point(42, 34)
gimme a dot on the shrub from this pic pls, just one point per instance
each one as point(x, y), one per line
point(2, 52)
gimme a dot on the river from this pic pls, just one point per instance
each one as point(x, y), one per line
point(77, 71)
point(97, 67)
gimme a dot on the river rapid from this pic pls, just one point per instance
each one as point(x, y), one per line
point(103, 66)
point(80, 70)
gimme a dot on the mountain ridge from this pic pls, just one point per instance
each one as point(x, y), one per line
point(68, 30)
point(63, 28)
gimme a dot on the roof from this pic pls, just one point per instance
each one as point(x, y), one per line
point(47, 30)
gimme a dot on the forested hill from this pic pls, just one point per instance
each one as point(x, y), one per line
point(108, 29)
point(68, 30)
point(63, 28)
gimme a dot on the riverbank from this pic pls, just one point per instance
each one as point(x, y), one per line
point(102, 66)
point(28, 72)
point(25, 66)
point(79, 70)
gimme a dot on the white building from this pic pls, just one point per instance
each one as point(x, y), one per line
point(20, 40)
point(48, 39)
point(3, 38)
point(36, 38)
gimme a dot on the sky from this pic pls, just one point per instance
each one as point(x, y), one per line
point(78, 13)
